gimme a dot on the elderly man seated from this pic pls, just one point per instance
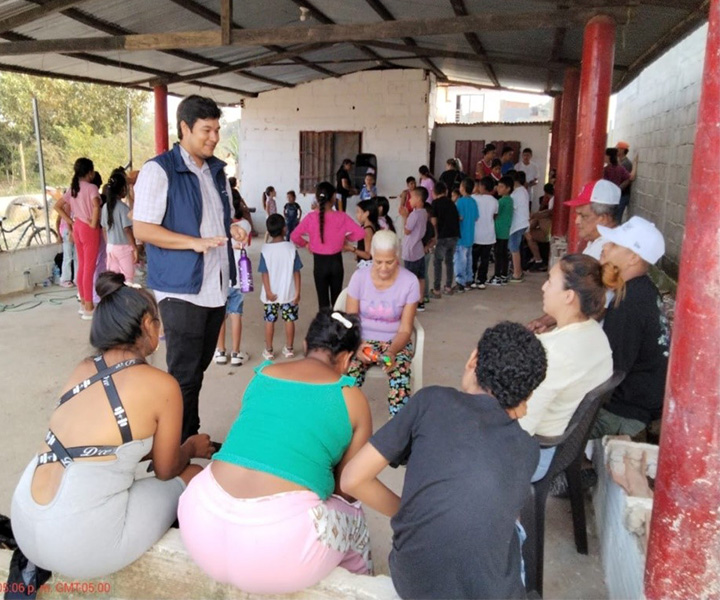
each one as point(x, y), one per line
point(637, 330)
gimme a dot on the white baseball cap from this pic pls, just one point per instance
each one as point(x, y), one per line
point(639, 235)
point(601, 191)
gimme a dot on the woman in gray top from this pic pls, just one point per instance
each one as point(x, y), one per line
point(77, 509)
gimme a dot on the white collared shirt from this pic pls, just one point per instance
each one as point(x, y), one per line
point(151, 192)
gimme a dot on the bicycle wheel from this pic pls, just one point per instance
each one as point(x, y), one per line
point(40, 238)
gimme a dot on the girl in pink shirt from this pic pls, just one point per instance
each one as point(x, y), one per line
point(327, 231)
point(83, 199)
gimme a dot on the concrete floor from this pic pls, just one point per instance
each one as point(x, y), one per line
point(40, 346)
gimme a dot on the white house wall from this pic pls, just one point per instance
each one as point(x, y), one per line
point(390, 108)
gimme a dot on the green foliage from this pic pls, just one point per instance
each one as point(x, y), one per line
point(76, 120)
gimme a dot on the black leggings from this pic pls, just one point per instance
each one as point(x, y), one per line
point(328, 273)
point(501, 258)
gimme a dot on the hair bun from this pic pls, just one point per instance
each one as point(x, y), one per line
point(108, 283)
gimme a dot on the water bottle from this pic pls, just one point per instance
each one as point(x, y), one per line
point(245, 272)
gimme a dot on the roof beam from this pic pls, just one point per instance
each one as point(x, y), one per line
point(474, 41)
point(480, 86)
point(677, 4)
point(386, 15)
point(226, 11)
point(326, 34)
point(28, 16)
point(325, 20)
point(555, 53)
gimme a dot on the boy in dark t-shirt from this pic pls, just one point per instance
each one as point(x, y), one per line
point(446, 221)
point(469, 465)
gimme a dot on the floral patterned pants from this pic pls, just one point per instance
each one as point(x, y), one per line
point(399, 375)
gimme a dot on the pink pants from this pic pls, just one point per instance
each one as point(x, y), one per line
point(120, 260)
point(274, 544)
point(87, 241)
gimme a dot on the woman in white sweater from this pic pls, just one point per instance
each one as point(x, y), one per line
point(578, 352)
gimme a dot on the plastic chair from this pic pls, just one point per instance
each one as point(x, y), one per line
point(416, 365)
point(568, 458)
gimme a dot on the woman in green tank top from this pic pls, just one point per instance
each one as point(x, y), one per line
point(271, 496)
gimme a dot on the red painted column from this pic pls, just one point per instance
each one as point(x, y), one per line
point(566, 150)
point(555, 132)
point(685, 529)
point(161, 119)
point(594, 102)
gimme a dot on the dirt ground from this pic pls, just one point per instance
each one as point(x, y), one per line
point(40, 345)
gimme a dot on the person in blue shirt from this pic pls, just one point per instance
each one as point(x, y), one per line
point(507, 160)
point(467, 208)
point(292, 212)
point(368, 190)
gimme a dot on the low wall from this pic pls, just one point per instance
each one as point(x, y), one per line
point(167, 572)
point(37, 261)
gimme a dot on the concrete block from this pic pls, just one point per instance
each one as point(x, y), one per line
point(37, 261)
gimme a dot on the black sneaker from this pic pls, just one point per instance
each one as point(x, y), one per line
point(495, 281)
point(421, 307)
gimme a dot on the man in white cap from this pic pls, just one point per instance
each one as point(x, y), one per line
point(594, 206)
point(637, 330)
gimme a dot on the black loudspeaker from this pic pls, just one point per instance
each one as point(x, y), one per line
point(364, 164)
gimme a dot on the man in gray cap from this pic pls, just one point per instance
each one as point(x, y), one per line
point(637, 329)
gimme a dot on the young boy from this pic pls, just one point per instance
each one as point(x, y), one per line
point(405, 194)
point(469, 464)
point(519, 225)
point(368, 190)
point(413, 250)
point(293, 213)
point(485, 238)
point(446, 221)
point(503, 220)
point(234, 310)
point(429, 241)
point(539, 227)
point(468, 211)
point(507, 160)
point(280, 268)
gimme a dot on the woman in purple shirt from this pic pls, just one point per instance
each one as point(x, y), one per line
point(386, 298)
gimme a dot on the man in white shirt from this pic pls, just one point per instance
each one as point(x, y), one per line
point(532, 173)
point(484, 238)
point(519, 225)
point(183, 213)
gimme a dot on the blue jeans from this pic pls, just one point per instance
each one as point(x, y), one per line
point(546, 456)
point(463, 264)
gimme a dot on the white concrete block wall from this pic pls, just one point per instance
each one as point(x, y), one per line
point(390, 108)
point(37, 261)
point(656, 115)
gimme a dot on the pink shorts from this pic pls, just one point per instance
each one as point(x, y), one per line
point(274, 544)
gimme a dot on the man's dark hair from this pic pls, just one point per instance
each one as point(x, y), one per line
point(440, 188)
point(275, 224)
point(196, 107)
point(467, 185)
point(511, 363)
point(549, 188)
point(520, 177)
point(527, 150)
point(508, 181)
point(409, 179)
point(506, 149)
point(489, 148)
point(488, 183)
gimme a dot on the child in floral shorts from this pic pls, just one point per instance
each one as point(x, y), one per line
point(280, 268)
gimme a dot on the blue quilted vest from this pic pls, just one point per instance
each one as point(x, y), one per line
point(181, 271)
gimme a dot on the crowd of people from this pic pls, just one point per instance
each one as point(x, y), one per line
point(280, 504)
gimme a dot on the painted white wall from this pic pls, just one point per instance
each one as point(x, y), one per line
point(390, 107)
point(656, 114)
point(535, 136)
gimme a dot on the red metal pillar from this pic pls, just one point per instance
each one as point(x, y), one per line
point(566, 150)
point(685, 529)
point(555, 132)
point(594, 102)
point(161, 119)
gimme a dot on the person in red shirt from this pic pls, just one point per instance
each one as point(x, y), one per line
point(484, 166)
point(614, 171)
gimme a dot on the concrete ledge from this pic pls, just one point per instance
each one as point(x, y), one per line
point(623, 520)
point(36, 260)
point(166, 572)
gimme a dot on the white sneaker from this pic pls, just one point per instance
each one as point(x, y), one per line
point(86, 315)
point(288, 352)
point(220, 357)
point(238, 358)
point(268, 354)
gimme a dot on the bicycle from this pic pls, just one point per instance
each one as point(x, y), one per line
point(32, 235)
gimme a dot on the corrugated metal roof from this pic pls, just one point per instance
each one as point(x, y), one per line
point(517, 58)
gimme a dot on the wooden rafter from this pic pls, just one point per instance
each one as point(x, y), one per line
point(386, 15)
point(555, 53)
point(33, 14)
point(326, 34)
point(677, 4)
point(480, 86)
point(325, 20)
point(210, 15)
point(226, 21)
point(461, 11)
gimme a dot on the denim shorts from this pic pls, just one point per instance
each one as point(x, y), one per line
point(516, 239)
point(235, 302)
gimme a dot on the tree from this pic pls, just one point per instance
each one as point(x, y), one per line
point(76, 119)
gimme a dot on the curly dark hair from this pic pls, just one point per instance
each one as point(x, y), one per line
point(511, 363)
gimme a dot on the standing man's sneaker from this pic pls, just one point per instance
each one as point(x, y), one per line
point(504, 280)
point(421, 307)
point(474, 285)
point(481, 286)
point(220, 357)
point(459, 288)
point(238, 358)
point(495, 281)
